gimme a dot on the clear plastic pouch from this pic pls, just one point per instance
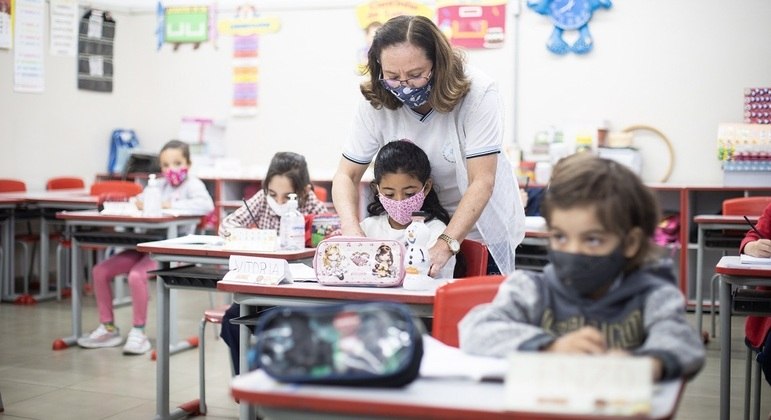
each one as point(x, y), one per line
point(364, 344)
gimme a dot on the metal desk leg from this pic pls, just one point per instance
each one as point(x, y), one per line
point(699, 274)
point(246, 410)
point(162, 363)
point(63, 343)
point(725, 348)
point(44, 247)
point(8, 256)
point(175, 344)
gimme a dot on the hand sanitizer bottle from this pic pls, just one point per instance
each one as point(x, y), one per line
point(152, 197)
point(292, 229)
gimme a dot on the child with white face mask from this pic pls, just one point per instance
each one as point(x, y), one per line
point(287, 174)
point(605, 291)
point(403, 185)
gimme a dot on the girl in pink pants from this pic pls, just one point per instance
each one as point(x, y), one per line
point(179, 192)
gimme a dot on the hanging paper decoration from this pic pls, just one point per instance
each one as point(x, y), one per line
point(373, 14)
point(473, 24)
point(245, 27)
point(569, 15)
point(179, 25)
point(6, 14)
point(95, 51)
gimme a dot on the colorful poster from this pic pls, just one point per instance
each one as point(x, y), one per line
point(6, 15)
point(179, 25)
point(63, 33)
point(29, 35)
point(245, 27)
point(373, 14)
point(473, 24)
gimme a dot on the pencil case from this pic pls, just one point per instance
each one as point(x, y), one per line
point(373, 344)
point(358, 261)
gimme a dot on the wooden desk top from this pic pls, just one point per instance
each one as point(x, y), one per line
point(318, 291)
point(208, 247)
point(455, 398)
point(93, 215)
point(732, 266)
point(720, 219)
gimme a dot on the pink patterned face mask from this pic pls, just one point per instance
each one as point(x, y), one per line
point(175, 176)
point(401, 210)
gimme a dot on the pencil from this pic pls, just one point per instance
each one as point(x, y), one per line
point(754, 228)
point(254, 219)
point(527, 182)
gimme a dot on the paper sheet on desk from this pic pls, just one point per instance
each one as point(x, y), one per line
point(749, 259)
point(443, 361)
point(197, 240)
point(302, 272)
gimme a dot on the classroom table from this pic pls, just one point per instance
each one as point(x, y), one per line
point(455, 398)
point(712, 222)
point(733, 273)
point(78, 223)
point(194, 249)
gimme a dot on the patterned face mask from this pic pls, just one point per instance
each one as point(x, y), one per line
point(175, 176)
point(401, 210)
point(410, 96)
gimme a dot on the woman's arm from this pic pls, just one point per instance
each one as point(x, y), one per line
point(481, 175)
point(345, 195)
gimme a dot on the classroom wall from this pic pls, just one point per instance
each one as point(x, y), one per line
point(678, 66)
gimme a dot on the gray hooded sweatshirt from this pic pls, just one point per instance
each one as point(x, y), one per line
point(643, 313)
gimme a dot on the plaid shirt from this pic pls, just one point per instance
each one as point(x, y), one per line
point(266, 217)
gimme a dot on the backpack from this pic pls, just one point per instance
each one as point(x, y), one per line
point(122, 142)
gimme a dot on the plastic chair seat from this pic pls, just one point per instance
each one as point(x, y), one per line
point(453, 301)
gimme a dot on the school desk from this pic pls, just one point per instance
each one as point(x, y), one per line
point(79, 224)
point(195, 249)
point(249, 296)
point(733, 273)
point(712, 223)
point(455, 398)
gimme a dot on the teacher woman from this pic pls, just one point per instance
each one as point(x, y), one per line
point(419, 89)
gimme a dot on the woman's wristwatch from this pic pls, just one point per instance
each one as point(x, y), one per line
point(452, 243)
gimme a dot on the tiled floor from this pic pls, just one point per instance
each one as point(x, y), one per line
point(39, 383)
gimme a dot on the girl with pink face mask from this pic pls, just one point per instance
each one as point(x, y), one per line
point(403, 185)
point(181, 192)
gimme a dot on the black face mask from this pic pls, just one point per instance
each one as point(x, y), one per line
point(587, 273)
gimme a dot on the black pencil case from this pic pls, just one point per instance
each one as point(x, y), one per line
point(375, 344)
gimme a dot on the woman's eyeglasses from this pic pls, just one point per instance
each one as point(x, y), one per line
point(413, 82)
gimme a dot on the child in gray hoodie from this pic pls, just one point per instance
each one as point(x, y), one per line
point(604, 290)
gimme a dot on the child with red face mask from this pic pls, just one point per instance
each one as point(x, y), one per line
point(179, 191)
point(403, 185)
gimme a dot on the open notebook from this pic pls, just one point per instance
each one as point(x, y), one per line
point(748, 259)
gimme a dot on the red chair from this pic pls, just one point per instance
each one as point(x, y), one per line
point(26, 240)
point(321, 193)
point(115, 189)
point(474, 256)
point(453, 300)
point(65, 183)
point(62, 266)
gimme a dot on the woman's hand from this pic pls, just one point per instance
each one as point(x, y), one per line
point(523, 197)
point(140, 204)
point(760, 248)
point(587, 340)
point(439, 254)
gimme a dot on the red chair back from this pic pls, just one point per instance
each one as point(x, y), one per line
point(12, 185)
point(321, 193)
point(453, 300)
point(475, 256)
point(126, 188)
point(745, 206)
point(64, 183)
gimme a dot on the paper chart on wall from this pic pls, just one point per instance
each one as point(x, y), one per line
point(5, 23)
point(29, 72)
point(63, 33)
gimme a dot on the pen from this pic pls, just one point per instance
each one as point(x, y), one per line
point(754, 228)
point(527, 182)
point(254, 219)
